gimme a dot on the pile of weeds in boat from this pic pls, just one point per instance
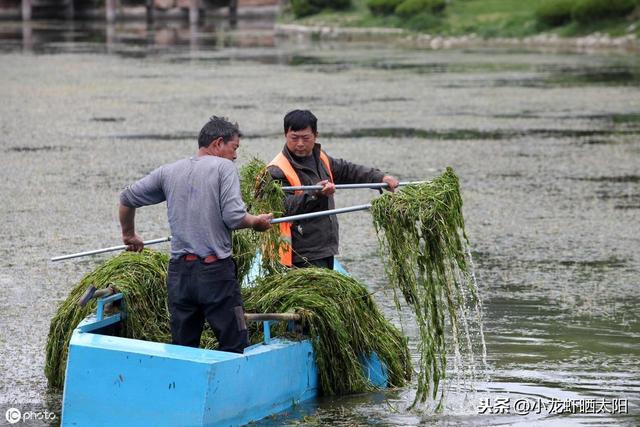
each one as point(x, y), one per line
point(338, 313)
point(424, 246)
point(141, 277)
point(343, 322)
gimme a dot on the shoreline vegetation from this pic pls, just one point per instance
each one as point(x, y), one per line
point(436, 24)
point(547, 25)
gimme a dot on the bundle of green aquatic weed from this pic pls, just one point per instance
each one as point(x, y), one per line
point(262, 194)
point(245, 244)
point(343, 322)
point(421, 233)
point(141, 277)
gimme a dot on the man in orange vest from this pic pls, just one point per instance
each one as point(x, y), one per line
point(313, 242)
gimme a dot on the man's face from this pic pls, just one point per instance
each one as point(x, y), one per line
point(228, 149)
point(300, 142)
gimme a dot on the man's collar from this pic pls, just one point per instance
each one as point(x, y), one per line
point(292, 157)
point(297, 161)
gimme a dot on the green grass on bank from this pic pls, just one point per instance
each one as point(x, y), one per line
point(486, 18)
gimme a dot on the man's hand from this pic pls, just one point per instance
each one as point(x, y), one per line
point(328, 188)
point(134, 242)
point(262, 222)
point(391, 181)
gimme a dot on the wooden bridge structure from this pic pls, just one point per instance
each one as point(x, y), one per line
point(67, 8)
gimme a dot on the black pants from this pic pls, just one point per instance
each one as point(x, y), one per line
point(199, 291)
point(321, 263)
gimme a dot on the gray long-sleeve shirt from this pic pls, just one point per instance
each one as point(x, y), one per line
point(203, 203)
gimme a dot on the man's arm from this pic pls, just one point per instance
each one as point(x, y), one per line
point(127, 224)
point(294, 204)
point(147, 191)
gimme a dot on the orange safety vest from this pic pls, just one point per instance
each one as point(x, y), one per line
point(286, 251)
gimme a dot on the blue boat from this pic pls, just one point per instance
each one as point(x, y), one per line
point(115, 380)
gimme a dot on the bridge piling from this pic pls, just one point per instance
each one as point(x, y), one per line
point(194, 12)
point(27, 8)
point(110, 10)
point(69, 10)
point(150, 7)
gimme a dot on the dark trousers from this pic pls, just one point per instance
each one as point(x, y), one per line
point(199, 291)
point(321, 263)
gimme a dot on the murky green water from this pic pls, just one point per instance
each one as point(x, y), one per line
point(546, 146)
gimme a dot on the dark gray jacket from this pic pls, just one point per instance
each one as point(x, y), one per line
point(318, 238)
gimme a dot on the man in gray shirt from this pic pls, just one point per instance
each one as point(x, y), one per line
point(203, 206)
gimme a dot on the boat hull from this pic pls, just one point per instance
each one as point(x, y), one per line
point(131, 382)
point(114, 380)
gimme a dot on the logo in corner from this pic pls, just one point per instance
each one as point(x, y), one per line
point(13, 415)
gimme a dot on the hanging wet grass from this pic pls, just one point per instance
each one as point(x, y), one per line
point(245, 243)
point(422, 239)
point(342, 321)
point(262, 194)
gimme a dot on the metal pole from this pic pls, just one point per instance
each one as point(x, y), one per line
point(233, 13)
point(111, 249)
point(273, 221)
point(321, 213)
point(69, 12)
point(27, 36)
point(374, 186)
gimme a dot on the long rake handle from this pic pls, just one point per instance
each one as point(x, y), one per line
point(110, 249)
point(320, 214)
point(373, 185)
point(166, 239)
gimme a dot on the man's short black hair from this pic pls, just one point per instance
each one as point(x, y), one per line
point(215, 128)
point(300, 119)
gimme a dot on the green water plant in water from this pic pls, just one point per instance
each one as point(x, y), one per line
point(424, 246)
